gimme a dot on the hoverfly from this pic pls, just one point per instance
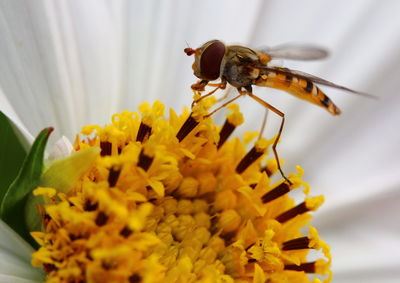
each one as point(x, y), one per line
point(243, 67)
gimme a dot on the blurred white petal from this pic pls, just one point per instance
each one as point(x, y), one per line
point(61, 148)
point(71, 63)
point(15, 256)
point(14, 279)
point(19, 128)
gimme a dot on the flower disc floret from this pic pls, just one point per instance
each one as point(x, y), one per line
point(176, 200)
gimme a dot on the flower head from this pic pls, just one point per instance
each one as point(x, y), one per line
point(174, 200)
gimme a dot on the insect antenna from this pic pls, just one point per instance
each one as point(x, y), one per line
point(187, 44)
point(188, 50)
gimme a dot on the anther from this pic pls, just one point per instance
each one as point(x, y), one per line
point(105, 148)
point(113, 176)
point(144, 161)
point(135, 278)
point(75, 237)
point(101, 219)
point(46, 219)
point(308, 267)
point(48, 267)
point(226, 131)
point(267, 171)
point(107, 265)
point(256, 152)
point(296, 244)
point(125, 232)
point(186, 128)
point(144, 132)
point(309, 204)
point(89, 206)
point(293, 212)
point(276, 192)
point(251, 245)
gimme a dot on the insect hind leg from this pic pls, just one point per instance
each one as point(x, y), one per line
point(249, 89)
point(263, 124)
point(282, 115)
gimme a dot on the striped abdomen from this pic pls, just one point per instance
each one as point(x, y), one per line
point(300, 87)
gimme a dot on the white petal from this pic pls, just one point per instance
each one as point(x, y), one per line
point(16, 279)
point(13, 266)
point(15, 256)
point(360, 227)
point(20, 130)
point(61, 148)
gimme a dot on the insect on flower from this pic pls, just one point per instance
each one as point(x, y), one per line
point(243, 67)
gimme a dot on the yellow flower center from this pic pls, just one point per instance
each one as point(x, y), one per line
point(176, 200)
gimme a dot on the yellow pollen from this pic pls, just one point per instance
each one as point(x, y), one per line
point(262, 144)
point(315, 202)
point(235, 117)
point(42, 191)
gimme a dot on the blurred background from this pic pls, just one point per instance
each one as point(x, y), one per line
point(71, 63)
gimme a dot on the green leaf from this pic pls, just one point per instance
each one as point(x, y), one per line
point(13, 203)
point(12, 154)
point(62, 175)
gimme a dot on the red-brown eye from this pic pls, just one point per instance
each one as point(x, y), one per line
point(210, 61)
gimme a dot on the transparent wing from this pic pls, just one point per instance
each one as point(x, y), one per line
point(296, 52)
point(314, 79)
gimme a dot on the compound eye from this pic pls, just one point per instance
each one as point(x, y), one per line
point(210, 61)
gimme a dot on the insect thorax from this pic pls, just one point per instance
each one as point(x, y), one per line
point(237, 68)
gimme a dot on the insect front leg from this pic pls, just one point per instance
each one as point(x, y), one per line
point(221, 85)
point(200, 85)
point(282, 115)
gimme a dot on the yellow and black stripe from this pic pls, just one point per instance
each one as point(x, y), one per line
point(300, 87)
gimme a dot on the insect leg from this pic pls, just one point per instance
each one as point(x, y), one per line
point(223, 105)
point(221, 85)
point(200, 85)
point(264, 122)
point(282, 115)
point(204, 96)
